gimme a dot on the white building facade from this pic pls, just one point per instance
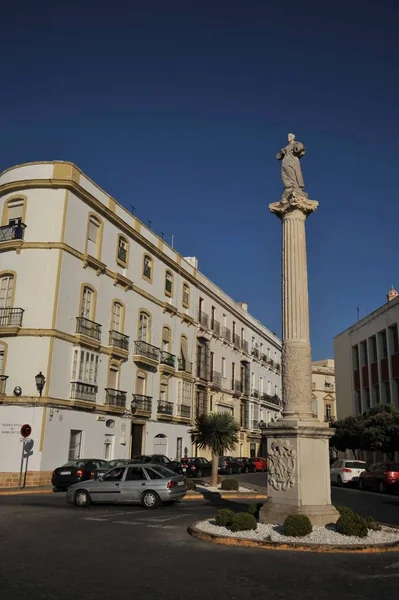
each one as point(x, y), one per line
point(323, 390)
point(132, 339)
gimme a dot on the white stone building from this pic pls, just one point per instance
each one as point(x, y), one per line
point(323, 390)
point(132, 339)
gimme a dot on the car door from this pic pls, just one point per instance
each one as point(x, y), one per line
point(107, 488)
point(133, 484)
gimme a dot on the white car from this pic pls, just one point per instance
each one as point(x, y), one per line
point(343, 471)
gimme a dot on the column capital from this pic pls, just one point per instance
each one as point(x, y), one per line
point(293, 204)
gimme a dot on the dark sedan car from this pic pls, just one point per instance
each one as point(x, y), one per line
point(159, 459)
point(196, 467)
point(75, 471)
point(228, 465)
point(247, 464)
point(111, 464)
point(382, 476)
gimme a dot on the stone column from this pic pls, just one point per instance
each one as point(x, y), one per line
point(298, 448)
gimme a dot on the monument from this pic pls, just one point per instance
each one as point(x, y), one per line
point(297, 444)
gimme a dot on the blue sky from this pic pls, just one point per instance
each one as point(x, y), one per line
point(179, 107)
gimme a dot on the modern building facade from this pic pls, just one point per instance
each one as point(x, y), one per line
point(323, 390)
point(133, 341)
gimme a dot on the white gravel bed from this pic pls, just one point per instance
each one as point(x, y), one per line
point(319, 535)
point(209, 488)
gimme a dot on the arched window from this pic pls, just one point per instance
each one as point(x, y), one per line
point(94, 234)
point(88, 303)
point(166, 339)
point(122, 251)
point(184, 364)
point(144, 327)
point(168, 283)
point(141, 383)
point(186, 296)
point(117, 317)
point(147, 267)
point(6, 290)
point(14, 211)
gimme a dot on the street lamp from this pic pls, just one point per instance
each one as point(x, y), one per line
point(40, 381)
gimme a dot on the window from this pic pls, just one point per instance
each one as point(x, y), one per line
point(186, 296)
point(153, 474)
point(94, 229)
point(113, 378)
point(141, 382)
point(2, 353)
point(108, 443)
point(117, 317)
point(14, 212)
point(6, 291)
point(123, 246)
point(75, 444)
point(185, 393)
point(135, 474)
point(211, 403)
point(147, 267)
point(163, 391)
point(223, 367)
point(363, 347)
point(233, 369)
point(85, 366)
point(87, 303)
point(394, 338)
point(184, 364)
point(387, 392)
point(166, 339)
point(179, 448)
point(383, 344)
point(168, 283)
point(367, 396)
point(373, 349)
point(328, 412)
point(355, 358)
point(314, 408)
point(144, 327)
point(358, 403)
point(261, 385)
point(115, 474)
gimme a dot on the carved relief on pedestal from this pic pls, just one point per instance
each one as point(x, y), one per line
point(281, 465)
point(297, 377)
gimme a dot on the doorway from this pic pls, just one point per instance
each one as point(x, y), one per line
point(160, 445)
point(137, 440)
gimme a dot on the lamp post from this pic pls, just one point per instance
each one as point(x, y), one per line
point(40, 381)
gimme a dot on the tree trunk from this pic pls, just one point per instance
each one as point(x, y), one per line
point(215, 466)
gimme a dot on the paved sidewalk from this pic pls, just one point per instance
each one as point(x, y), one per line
point(43, 489)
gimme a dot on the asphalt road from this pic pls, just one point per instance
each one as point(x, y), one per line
point(49, 550)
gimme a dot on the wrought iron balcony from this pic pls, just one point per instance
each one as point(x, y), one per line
point(244, 345)
point(184, 410)
point(255, 393)
point(167, 359)
point(184, 365)
point(236, 340)
point(328, 387)
point(203, 318)
point(12, 232)
point(3, 381)
point(272, 399)
point(215, 326)
point(255, 352)
point(83, 391)
point(226, 333)
point(216, 378)
point(88, 328)
point(115, 398)
point(141, 402)
point(147, 350)
point(264, 358)
point(11, 317)
point(165, 408)
point(118, 340)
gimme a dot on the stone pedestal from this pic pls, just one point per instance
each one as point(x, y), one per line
point(298, 450)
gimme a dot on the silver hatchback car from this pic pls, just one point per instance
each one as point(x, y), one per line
point(144, 484)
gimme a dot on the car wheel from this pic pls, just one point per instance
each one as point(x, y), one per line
point(150, 500)
point(82, 499)
point(339, 481)
point(381, 488)
point(199, 473)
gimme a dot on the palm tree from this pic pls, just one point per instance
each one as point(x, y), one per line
point(218, 432)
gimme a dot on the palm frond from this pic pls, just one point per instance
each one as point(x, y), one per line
point(216, 431)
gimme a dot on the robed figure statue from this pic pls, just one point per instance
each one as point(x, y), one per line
point(291, 172)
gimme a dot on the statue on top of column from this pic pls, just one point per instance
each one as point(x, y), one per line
point(291, 172)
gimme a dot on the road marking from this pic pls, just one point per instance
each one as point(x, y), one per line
point(94, 519)
point(393, 566)
point(382, 576)
point(163, 520)
point(127, 522)
point(117, 513)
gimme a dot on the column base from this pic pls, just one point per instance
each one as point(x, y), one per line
point(276, 513)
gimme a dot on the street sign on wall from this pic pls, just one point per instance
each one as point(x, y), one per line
point(26, 430)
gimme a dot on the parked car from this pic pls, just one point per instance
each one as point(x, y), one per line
point(196, 467)
point(111, 464)
point(247, 465)
point(260, 463)
point(147, 484)
point(346, 471)
point(383, 476)
point(159, 459)
point(75, 471)
point(228, 465)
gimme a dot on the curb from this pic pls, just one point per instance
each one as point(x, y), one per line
point(24, 492)
point(290, 546)
point(227, 496)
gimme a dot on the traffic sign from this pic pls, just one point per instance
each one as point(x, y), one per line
point(26, 430)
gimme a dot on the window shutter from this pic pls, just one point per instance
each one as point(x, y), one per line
point(15, 209)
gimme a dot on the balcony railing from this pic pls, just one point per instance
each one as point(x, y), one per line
point(115, 397)
point(244, 345)
point(83, 391)
point(203, 318)
point(226, 333)
point(3, 381)
point(329, 418)
point(255, 352)
point(12, 232)
point(264, 358)
point(215, 326)
point(255, 393)
point(184, 410)
point(89, 328)
point(141, 402)
point(167, 359)
point(328, 387)
point(144, 349)
point(184, 365)
point(236, 340)
point(11, 317)
point(216, 378)
point(118, 340)
point(165, 408)
point(272, 399)
point(254, 424)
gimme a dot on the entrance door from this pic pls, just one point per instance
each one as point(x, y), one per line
point(160, 445)
point(137, 440)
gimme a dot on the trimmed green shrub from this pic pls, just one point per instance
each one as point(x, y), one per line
point(253, 509)
point(224, 517)
point(345, 510)
point(191, 484)
point(229, 485)
point(243, 522)
point(297, 526)
point(372, 524)
point(351, 524)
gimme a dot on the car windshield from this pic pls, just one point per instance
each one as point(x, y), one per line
point(163, 471)
point(114, 463)
point(75, 463)
point(355, 464)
